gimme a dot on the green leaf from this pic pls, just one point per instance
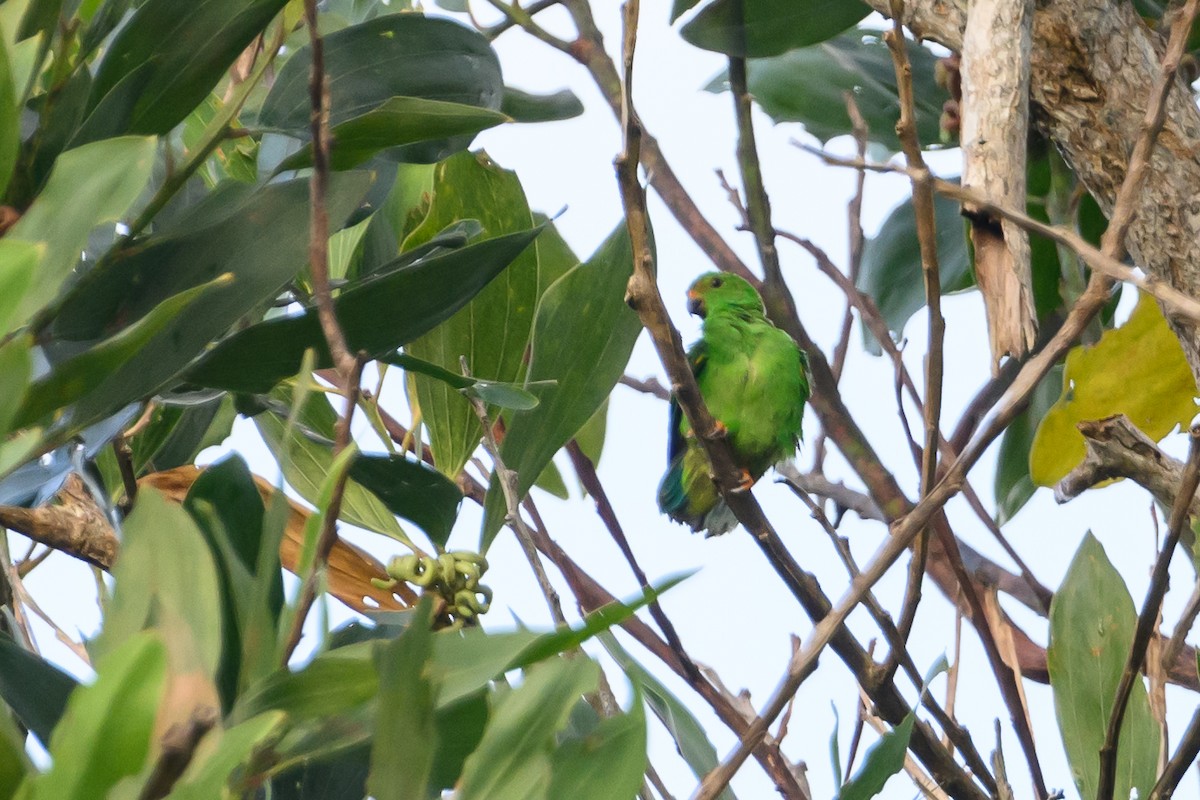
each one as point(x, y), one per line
point(1013, 485)
point(1092, 619)
point(525, 107)
point(332, 683)
point(19, 263)
point(227, 507)
point(757, 28)
point(1138, 370)
point(883, 760)
point(399, 121)
point(504, 395)
point(690, 737)
point(257, 358)
point(90, 373)
point(33, 688)
point(191, 48)
point(209, 777)
point(493, 329)
point(411, 490)
point(10, 129)
point(89, 186)
point(105, 734)
point(177, 434)
point(551, 481)
point(596, 622)
point(513, 760)
point(173, 589)
point(15, 368)
point(891, 264)
point(809, 85)
point(14, 763)
point(608, 762)
point(307, 463)
point(345, 247)
point(586, 308)
point(590, 437)
point(263, 244)
point(395, 55)
point(405, 742)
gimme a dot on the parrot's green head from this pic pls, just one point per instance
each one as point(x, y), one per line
point(717, 292)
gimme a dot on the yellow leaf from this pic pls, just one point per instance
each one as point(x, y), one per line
point(1138, 370)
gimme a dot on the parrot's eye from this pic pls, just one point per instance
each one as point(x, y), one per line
point(716, 283)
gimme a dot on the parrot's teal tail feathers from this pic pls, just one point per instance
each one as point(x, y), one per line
point(672, 498)
point(674, 501)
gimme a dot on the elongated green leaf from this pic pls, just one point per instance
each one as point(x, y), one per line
point(33, 688)
point(191, 47)
point(209, 777)
point(18, 264)
point(15, 368)
point(411, 490)
point(891, 264)
point(884, 759)
point(1014, 486)
point(399, 121)
point(177, 434)
point(526, 107)
point(1138, 370)
point(89, 186)
point(585, 308)
point(513, 760)
point(332, 683)
point(504, 395)
point(14, 763)
point(263, 244)
point(228, 509)
point(308, 462)
point(10, 130)
point(689, 735)
point(405, 743)
point(257, 358)
point(809, 85)
point(1092, 619)
point(757, 28)
point(493, 329)
point(91, 370)
point(608, 762)
point(105, 734)
point(174, 589)
point(395, 55)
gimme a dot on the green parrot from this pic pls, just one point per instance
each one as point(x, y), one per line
point(754, 380)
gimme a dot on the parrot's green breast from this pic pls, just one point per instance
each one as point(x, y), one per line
point(754, 380)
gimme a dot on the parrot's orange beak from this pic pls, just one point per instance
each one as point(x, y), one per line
point(695, 304)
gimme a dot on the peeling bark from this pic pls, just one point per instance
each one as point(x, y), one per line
point(1093, 63)
point(995, 122)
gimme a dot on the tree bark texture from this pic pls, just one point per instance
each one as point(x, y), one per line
point(995, 122)
point(1093, 63)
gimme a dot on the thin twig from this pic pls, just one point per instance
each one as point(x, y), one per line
point(1187, 619)
point(1159, 582)
point(861, 132)
point(348, 366)
point(922, 195)
point(508, 480)
point(586, 471)
point(649, 386)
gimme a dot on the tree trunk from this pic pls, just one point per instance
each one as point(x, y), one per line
point(1093, 65)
